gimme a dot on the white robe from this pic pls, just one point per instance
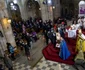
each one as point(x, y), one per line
point(71, 33)
point(84, 23)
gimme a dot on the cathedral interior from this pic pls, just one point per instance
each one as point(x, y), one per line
point(25, 41)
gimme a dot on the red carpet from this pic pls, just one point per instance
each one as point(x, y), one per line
point(52, 54)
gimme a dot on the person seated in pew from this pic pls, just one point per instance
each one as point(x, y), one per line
point(34, 35)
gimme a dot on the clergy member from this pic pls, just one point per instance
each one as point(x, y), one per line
point(80, 41)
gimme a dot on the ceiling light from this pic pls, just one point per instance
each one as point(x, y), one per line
point(15, 1)
point(11, 4)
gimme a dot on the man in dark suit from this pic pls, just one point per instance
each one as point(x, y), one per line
point(46, 36)
point(52, 37)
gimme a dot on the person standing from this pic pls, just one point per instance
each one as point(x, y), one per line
point(11, 50)
point(58, 36)
point(26, 47)
point(84, 23)
point(46, 36)
point(28, 38)
point(61, 31)
point(53, 37)
point(8, 62)
point(80, 45)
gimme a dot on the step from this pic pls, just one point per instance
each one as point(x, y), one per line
point(50, 53)
point(57, 58)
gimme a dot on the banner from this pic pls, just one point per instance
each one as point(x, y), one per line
point(82, 9)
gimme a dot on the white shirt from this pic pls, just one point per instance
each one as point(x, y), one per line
point(58, 36)
point(71, 33)
point(78, 26)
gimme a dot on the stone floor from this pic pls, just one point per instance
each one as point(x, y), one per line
point(36, 55)
point(44, 64)
point(51, 65)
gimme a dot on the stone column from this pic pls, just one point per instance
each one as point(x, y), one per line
point(50, 13)
point(6, 26)
point(8, 31)
point(23, 9)
point(46, 11)
point(56, 8)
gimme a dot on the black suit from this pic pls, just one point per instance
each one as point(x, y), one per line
point(52, 37)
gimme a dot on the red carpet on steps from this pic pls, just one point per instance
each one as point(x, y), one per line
point(52, 54)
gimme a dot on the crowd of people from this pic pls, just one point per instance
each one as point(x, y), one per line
point(25, 33)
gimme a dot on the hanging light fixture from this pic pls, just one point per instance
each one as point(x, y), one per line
point(6, 22)
point(53, 7)
point(49, 2)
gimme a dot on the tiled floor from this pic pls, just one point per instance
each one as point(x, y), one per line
point(51, 65)
point(44, 64)
point(23, 64)
point(18, 66)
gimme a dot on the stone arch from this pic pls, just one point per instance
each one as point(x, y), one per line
point(25, 1)
point(14, 13)
point(38, 10)
point(45, 14)
point(33, 8)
